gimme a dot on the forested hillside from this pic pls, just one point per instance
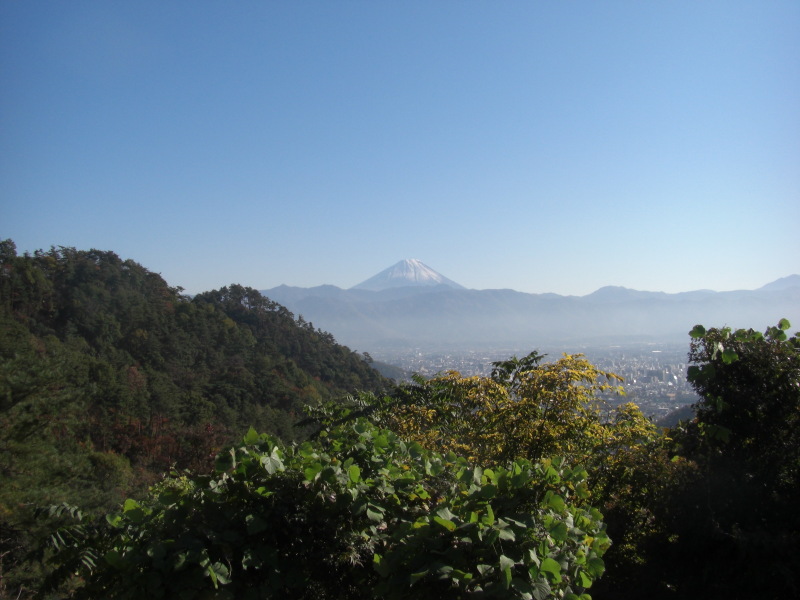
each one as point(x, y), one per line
point(109, 377)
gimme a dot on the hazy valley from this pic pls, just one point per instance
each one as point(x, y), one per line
point(436, 314)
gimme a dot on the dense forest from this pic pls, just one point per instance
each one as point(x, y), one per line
point(157, 445)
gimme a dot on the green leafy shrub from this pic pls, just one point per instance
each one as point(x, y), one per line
point(357, 513)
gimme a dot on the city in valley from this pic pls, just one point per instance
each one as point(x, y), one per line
point(654, 375)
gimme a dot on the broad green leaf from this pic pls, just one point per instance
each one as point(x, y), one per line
point(505, 578)
point(219, 574)
point(506, 562)
point(729, 356)
point(585, 579)
point(595, 566)
point(508, 534)
point(223, 575)
point(273, 462)
point(445, 513)
point(133, 511)
point(415, 577)
point(251, 437)
point(697, 332)
point(556, 503)
point(355, 473)
point(488, 518)
point(533, 558)
point(559, 531)
point(551, 566)
point(374, 513)
point(306, 450)
point(311, 471)
point(169, 497)
point(130, 504)
point(446, 523)
point(114, 520)
point(541, 590)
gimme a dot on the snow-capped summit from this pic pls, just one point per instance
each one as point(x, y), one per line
point(409, 272)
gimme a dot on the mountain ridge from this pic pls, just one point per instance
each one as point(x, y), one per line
point(784, 283)
point(439, 315)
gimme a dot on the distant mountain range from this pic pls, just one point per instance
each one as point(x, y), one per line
point(411, 305)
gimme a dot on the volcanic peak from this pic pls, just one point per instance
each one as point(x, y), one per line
point(409, 272)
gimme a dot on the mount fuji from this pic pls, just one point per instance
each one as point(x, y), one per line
point(409, 272)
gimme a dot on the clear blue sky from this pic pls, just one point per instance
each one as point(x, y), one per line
point(540, 146)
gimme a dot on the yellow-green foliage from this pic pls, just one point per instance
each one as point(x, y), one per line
point(528, 410)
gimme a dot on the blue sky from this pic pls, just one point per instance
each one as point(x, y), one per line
point(540, 146)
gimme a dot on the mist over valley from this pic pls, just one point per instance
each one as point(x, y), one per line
point(391, 312)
